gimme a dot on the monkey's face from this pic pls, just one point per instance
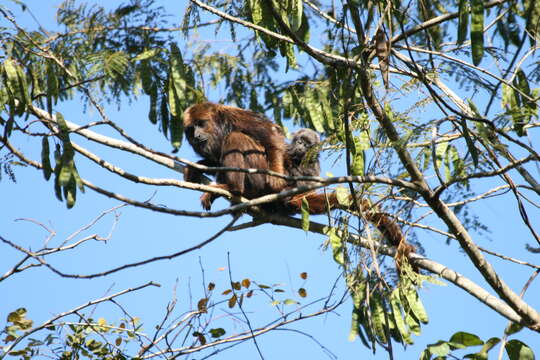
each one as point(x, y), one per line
point(303, 141)
point(201, 132)
point(197, 132)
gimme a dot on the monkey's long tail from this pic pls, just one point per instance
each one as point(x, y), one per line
point(391, 231)
point(319, 203)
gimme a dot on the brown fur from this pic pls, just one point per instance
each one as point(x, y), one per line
point(232, 137)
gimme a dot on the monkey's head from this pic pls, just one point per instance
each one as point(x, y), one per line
point(302, 142)
point(203, 129)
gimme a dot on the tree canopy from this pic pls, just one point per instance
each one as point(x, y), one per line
point(427, 109)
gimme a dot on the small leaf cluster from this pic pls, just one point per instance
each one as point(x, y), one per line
point(442, 350)
point(381, 315)
point(87, 339)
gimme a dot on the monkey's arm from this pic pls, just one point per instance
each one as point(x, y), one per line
point(194, 175)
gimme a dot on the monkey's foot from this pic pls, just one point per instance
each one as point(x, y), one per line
point(206, 201)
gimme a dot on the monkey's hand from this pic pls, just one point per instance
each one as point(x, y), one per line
point(193, 175)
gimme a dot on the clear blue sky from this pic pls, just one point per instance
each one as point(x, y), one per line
point(266, 254)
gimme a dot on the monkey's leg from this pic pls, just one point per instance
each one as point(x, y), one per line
point(276, 164)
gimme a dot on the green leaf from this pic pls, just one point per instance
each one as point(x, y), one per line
point(477, 30)
point(426, 151)
point(14, 86)
point(176, 126)
point(152, 113)
point(337, 246)
point(314, 110)
point(452, 159)
point(65, 172)
point(477, 356)
point(174, 106)
point(440, 348)
point(395, 304)
point(116, 64)
point(358, 293)
point(305, 214)
point(440, 151)
point(10, 69)
point(425, 355)
point(378, 317)
point(463, 22)
point(52, 86)
point(532, 20)
point(45, 158)
point(415, 304)
point(521, 82)
point(296, 14)
point(23, 85)
point(62, 126)
point(147, 54)
point(303, 31)
point(164, 115)
point(217, 332)
point(466, 339)
point(290, 302)
point(256, 12)
point(488, 345)
point(513, 328)
point(17, 316)
point(343, 196)
point(146, 75)
point(358, 164)
point(517, 350)
point(77, 177)
point(57, 169)
point(287, 50)
point(474, 109)
point(355, 327)
point(70, 193)
point(470, 144)
point(511, 101)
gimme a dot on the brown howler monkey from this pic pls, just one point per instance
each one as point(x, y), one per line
point(303, 156)
point(231, 137)
point(303, 160)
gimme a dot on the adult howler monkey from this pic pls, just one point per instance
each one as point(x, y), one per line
point(227, 136)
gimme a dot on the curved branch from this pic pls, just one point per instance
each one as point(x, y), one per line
point(38, 256)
